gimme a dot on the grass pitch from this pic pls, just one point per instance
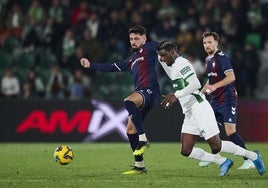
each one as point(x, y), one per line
point(101, 164)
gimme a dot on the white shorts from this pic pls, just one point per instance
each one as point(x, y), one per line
point(200, 120)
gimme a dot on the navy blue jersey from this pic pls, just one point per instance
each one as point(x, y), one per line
point(216, 67)
point(142, 65)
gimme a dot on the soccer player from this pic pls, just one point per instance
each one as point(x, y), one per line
point(221, 86)
point(199, 116)
point(142, 65)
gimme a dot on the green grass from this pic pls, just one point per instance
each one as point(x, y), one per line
point(101, 164)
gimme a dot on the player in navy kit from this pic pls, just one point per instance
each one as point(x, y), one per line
point(221, 87)
point(142, 65)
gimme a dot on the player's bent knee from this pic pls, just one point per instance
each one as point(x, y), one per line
point(131, 131)
point(215, 151)
point(186, 152)
point(129, 105)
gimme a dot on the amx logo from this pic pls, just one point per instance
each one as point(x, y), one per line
point(99, 123)
point(106, 120)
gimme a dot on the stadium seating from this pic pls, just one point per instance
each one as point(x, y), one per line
point(11, 44)
point(5, 60)
point(25, 61)
point(46, 60)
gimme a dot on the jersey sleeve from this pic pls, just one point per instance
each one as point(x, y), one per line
point(225, 62)
point(184, 79)
point(182, 70)
point(115, 67)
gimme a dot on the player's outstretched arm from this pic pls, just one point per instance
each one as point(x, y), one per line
point(104, 67)
point(85, 62)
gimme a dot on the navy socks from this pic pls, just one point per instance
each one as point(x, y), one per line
point(133, 141)
point(136, 116)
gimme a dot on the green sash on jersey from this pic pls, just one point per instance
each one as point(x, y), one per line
point(180, 83)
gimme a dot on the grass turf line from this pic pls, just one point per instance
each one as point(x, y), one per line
point(101, 165)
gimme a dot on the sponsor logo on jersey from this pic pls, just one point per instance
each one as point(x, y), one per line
point(185, 70)
point(136, 60)
point(213, 74)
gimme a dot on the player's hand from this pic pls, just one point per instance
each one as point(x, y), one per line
point(85, 62)
point(168, 100)
point(207, 89)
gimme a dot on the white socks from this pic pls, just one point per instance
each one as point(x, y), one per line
point(202, 155)
point(142, 137)
point(227, 147)
point(139, 164)
point(230, 147)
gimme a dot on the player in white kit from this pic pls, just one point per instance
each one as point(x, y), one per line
point(199, 116)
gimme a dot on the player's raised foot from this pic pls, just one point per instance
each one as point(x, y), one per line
point(141, 148)
point(225, 167)
point(135, 171)
point(204, 164)
point(248, 164)
point(259, 163)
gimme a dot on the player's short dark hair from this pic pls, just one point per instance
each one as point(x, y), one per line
point(166, 45)
point(137, 29)
point(213, 34)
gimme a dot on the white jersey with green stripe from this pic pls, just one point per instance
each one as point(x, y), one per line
point(179, 72)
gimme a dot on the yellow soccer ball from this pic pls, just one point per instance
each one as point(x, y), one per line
point(63, 155)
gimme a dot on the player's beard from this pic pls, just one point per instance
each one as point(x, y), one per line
point(135, 49)
point(210, 51)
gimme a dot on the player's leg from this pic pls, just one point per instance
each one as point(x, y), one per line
point(206, 123)
point(231, 132)
point(215, 144)
point(133, 103)
point(190, 151)
point(254, 156)
point(133, 137)
point(229, 116)
point(138, 105)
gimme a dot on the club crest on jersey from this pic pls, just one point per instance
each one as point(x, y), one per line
point(221, 53)
point(213, 64)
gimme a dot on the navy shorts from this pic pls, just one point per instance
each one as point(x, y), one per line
point(151, 97)
point(226, 112)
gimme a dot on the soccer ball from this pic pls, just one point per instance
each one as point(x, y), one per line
point(63, 155)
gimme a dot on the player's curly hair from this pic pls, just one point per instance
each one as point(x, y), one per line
point(166, 45)
point(137, 29)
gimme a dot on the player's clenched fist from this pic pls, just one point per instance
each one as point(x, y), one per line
point(84, 62)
